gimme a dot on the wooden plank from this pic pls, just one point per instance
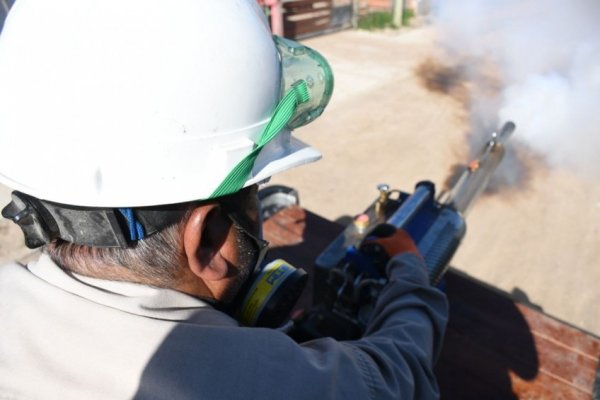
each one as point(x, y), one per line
point(494, 348)
point(490, 341)
point(306, 17)
point(297, 7)
point(306, 26)
point(553, 328)
point(570, 367)
point(309, 16)
point(546, 387)
point(471, 370)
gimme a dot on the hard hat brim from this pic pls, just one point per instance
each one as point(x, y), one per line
point(282, 153)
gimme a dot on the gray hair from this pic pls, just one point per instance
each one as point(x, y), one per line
point(155, 260)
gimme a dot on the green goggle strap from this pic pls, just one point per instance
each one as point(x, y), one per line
point(283, 113)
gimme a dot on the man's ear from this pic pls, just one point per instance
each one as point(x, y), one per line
point(205, 232)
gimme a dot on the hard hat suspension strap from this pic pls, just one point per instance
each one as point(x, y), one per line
point(42, 221)
point(136, 229)
point(283, 113)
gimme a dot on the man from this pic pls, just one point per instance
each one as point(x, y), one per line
point(135, 135)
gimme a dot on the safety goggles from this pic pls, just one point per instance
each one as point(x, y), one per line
point(307, 86)
point(301, 63)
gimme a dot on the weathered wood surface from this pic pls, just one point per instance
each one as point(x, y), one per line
point(494, 348)
point(304, 18)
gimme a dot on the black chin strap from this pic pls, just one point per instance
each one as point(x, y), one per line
point(42, 221)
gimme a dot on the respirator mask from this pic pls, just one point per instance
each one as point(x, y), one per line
point(271, 288)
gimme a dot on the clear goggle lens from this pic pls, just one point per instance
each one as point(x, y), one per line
point(303, 63)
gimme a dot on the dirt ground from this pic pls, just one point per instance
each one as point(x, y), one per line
point(539, 242)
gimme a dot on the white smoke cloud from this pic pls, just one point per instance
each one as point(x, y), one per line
point(547, 57)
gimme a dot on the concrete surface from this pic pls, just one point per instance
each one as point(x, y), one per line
point(539, 241)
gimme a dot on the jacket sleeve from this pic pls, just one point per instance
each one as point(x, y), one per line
point(393, 360)
point(403, 339)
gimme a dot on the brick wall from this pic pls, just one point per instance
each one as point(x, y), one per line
point(379, 5)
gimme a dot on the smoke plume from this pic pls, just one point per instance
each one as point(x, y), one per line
point(537, 63)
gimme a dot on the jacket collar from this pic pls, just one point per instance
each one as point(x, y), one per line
point(130, 297)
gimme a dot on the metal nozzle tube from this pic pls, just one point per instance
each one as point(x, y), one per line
point(474, 180)
point(506, 132)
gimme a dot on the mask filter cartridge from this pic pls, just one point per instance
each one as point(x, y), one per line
point(275, 289)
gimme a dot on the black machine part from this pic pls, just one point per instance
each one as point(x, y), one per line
point(275, 198)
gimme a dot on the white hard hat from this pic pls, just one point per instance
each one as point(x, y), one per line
point(139, 102)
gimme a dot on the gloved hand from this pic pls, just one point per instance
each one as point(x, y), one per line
point(385, 242)
point(391, 240)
